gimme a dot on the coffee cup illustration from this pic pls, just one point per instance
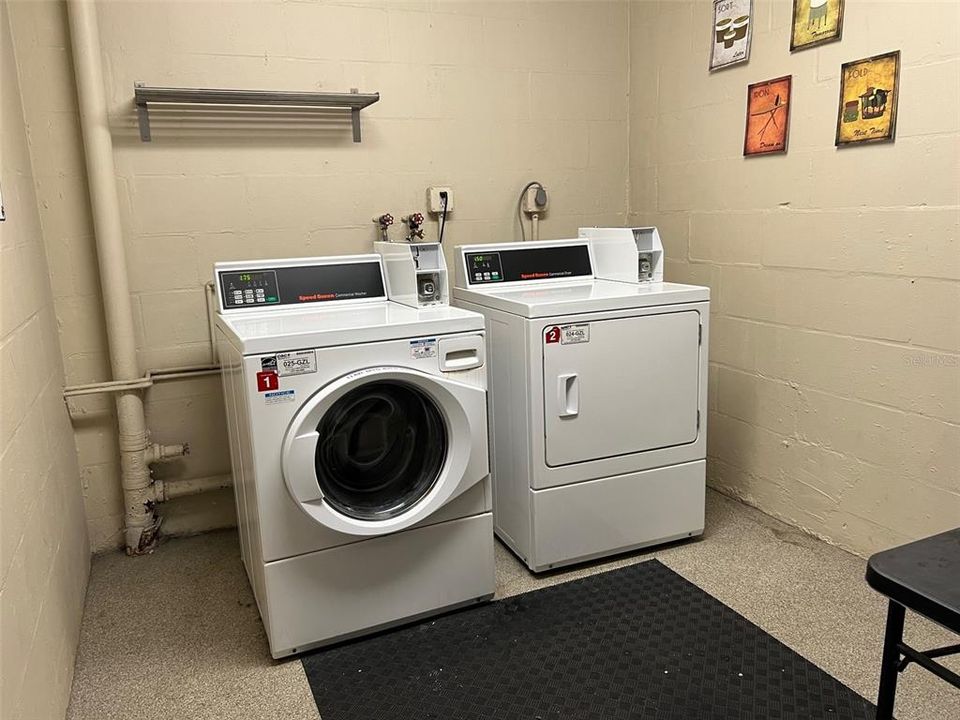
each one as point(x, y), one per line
point(722, 27)
point(729, 30)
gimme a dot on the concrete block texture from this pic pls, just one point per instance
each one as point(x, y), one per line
point(481, 96)
point(835, 340)
point(44, 547)
point(835, 274)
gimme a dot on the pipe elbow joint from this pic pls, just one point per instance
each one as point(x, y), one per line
point(156, 453)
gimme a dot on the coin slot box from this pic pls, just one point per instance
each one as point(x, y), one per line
point(416, 273)
point(626, 254)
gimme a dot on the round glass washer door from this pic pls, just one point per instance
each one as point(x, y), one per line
point(380, 449)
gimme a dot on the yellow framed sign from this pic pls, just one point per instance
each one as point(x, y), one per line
point(815, 22)
point(868, 99)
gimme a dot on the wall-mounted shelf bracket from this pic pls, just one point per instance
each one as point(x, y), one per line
point(144, 96)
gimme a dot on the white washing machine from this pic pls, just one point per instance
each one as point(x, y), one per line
point(597, 392)
point(358, 439)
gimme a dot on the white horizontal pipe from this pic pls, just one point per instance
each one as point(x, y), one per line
point(171, 489)
point(146, 381)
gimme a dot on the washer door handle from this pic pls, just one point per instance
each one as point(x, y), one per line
point(461, 353)
point(568, 395)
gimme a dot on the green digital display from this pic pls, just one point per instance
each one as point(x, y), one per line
point(484, 268)
point(251, 288)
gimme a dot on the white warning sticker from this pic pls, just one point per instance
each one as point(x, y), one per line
point(573, 334)
point(296, 363)
point(423, 348)
point(279, 396)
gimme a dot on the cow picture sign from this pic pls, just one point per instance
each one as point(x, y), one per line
point(868, 99)
point(815, 22)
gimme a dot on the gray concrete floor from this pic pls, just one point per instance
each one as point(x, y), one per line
point(176, 634)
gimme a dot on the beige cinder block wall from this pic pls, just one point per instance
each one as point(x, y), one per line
point(483, 96)
point(835, 378)
point(835, 385)
point(44, 551)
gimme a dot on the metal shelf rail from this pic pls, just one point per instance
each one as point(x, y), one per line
point(144, 95)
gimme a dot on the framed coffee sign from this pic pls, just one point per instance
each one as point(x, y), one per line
point(732, 32)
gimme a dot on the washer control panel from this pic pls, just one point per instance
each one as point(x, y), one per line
point(243, 289)
point(260, 285)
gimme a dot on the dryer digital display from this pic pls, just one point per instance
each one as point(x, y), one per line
point(484, 267)
point(533, 263)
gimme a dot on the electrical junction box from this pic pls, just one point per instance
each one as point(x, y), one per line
point(626, 254)
point(531, 205)
point(435, 202)
point(416, 273)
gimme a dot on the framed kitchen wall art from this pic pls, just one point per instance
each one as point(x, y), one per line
point(815, 22)
point(732, 32)
point(768, 117)
point(868, 99)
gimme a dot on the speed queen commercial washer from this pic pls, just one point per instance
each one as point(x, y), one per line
point(597, 392)
point(358, 440)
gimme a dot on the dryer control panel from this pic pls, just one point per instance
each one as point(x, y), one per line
point(266, 284)
point(523, 262)
point(484, 267)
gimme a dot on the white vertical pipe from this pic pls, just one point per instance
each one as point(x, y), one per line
point(140, 521)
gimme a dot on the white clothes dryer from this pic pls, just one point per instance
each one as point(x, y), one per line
point(598, 401)
point(358, 439)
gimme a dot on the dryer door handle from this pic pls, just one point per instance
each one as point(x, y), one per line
point(568, 395)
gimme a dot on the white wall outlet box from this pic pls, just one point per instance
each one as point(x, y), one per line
point(435, 202)
point(530, 204)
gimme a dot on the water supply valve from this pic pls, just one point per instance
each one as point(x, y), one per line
point(383, 223)
point(414, 221)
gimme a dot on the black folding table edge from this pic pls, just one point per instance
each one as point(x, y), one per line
point(888, 573)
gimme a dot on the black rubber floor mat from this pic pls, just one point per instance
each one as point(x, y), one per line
point(639, 642)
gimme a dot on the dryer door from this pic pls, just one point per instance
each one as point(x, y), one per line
point(620, 386)
point(381, 449)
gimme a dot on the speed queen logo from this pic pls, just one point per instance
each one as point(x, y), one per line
point(553, 335)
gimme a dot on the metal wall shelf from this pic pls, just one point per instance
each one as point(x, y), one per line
point(143, 96)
